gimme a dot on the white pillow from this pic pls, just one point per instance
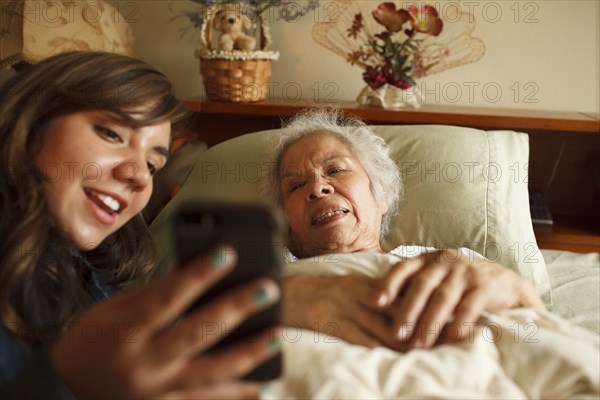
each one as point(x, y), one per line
point(463, 188)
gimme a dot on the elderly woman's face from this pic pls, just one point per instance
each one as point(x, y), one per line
point(327, 198)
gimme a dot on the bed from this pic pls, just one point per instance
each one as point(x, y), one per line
point(459, 192)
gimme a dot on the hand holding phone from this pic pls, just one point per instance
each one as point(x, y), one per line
point(256, 234)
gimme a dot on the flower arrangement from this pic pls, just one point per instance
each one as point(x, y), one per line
point(393, 56)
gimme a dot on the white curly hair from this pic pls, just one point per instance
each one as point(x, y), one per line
point(370, 149)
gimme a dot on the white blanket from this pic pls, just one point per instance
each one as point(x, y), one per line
point(514, 354)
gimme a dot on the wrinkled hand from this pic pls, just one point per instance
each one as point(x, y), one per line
point(339, 306)
point(128, 347)
point(439, 296)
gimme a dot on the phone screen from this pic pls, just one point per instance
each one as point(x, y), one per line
point(257, 235)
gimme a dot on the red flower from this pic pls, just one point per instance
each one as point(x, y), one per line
point(393, 76)
point(425, 20)
point(402, 84)
point(392, 19)
point(383, 36)
point(356, 27)
point(355, 57)
point(374, 78)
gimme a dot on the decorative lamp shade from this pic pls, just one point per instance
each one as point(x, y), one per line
point(32, 30)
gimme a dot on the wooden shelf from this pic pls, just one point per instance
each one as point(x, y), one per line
point(428, 114)
point(569, 233)
point(565, 142)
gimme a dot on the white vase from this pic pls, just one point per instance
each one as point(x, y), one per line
point(391, 97)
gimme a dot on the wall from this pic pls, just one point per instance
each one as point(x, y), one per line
point(553, 62)
point(543, 56)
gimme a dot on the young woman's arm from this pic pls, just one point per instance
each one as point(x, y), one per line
point(137, 350)
point(37, 380)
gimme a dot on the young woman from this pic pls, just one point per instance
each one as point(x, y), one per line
point(81, 135)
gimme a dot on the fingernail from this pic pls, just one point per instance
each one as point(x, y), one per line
point(382, 300)
point(264, 390)
point(223, 256)
point(260, 296)
point(274, 345)
point(403, 333)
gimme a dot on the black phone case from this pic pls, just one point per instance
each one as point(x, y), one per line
point(256, 234)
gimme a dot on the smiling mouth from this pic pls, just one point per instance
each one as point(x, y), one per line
point(327, 215)
point(104, 201)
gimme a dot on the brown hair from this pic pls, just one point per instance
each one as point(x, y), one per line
point(42, 282)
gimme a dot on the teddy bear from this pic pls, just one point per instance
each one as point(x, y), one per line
point(232, 22)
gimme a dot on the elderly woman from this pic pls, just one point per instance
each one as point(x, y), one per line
point(339, 190)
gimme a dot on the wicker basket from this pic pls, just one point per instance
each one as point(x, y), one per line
point(235, 76)
point(236, 80)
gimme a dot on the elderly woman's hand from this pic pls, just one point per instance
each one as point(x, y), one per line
point(338, 306)
point(439, 296)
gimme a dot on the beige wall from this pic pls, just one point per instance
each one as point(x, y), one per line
point(549, 51)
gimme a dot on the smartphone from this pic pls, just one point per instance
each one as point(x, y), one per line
point(257, 235)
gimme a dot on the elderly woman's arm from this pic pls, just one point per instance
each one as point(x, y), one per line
point(340, 306)
point(420, 302)
point(438, 296)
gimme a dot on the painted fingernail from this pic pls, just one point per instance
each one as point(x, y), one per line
point(223, 256)
point(260, 296)
point(265, 391)
point(274, 345)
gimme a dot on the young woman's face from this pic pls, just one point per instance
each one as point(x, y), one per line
point(98, 173)
point(327, 198)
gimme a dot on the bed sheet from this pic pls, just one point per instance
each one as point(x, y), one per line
point(575, 282)
point(518, 354)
